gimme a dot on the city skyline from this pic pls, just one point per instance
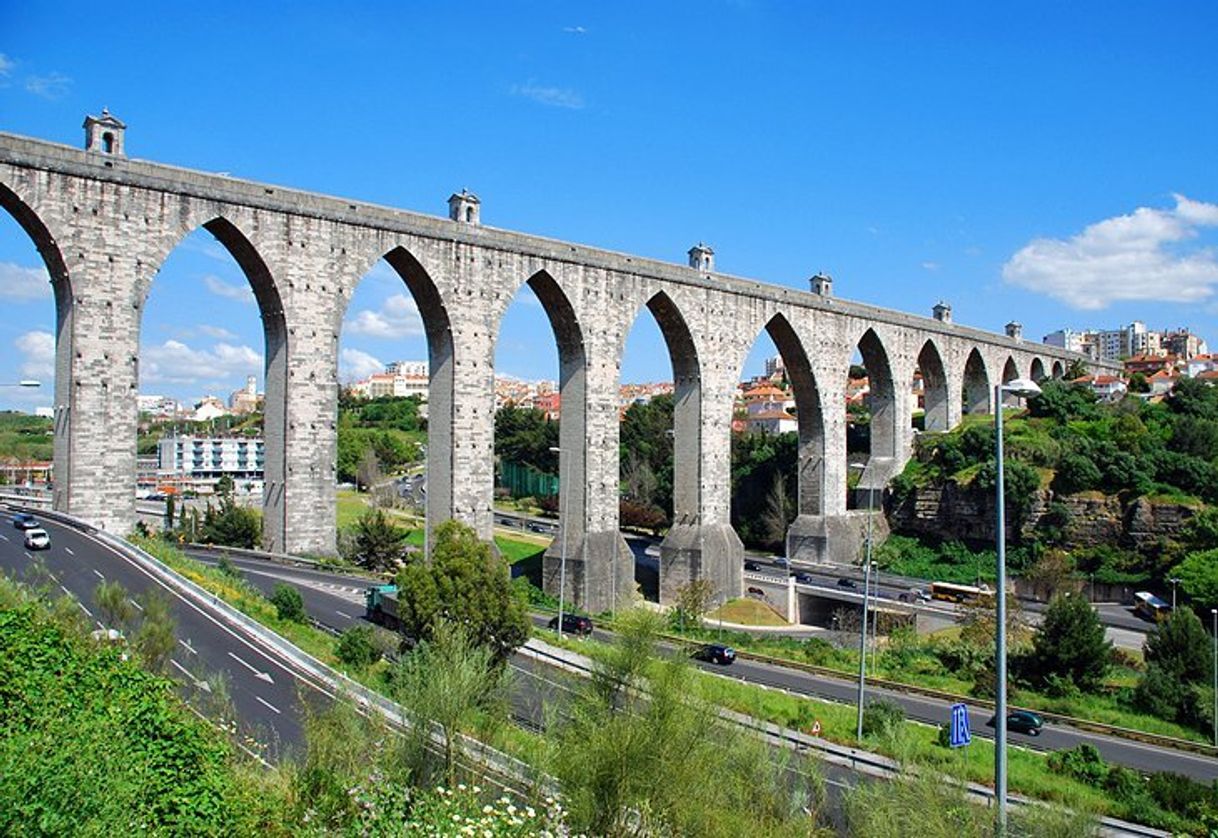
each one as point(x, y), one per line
point(883, 162)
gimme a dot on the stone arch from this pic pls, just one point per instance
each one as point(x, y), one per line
point(1010, 372)
point(1059, 369)
point(810, 469)
point(976, 384)
point(881, 395)
point(572, 429)
point(937, 416)
point(437, 329)
point(687, 406)
point(275, 363)
point(1037, 370)
point(61, 289)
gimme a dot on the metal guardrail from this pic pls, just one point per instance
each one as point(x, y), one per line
point(517, 775)
point(857, 760)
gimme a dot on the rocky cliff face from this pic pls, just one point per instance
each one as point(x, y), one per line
point(1091, 519)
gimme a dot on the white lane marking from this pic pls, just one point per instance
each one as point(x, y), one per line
point(257, 674)
point(98, 574)
point(203, 685)
point(188, 647)
point(138, 607)
point(343, 614)
point(5, 537)
point(68, 550)
point(65, 590)
point(82, 608)
point(99, 625)
point(265, 703)
point(28, 556)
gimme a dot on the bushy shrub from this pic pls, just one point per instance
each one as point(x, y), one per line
point(882, 717)
point(358, 647)
point(1082, 762)
point(1179, 794)
point(288, 602)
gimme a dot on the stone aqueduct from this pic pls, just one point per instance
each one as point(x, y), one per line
point(104, 224)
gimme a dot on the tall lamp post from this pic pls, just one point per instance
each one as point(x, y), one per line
point(1174, 582)
point(564, 523)
point(1024, 388)
point(867, 563)
point(25, 382)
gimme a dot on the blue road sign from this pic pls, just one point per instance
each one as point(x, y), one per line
point(960, 735)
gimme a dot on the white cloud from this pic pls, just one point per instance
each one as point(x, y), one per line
point(20, 283)
point(1140, 256)
point(556, 97)
point(231, 292)
point(51, 86)
point(217, 332)
point(173, 362)
point(930, 266)
point(354, 364)
point(38, 355)
point(6, 65)
point(575, 30)
point(398, 318)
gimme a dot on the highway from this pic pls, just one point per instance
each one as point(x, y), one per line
point(337, 600)
point(264, 691)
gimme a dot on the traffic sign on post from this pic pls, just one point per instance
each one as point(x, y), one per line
point(959, 732)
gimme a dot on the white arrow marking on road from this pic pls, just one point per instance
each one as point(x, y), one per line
point(257, 674)
point(189, 648)
point(203, 685)
point(97, 573)
point(267, 704)
point(68, 550)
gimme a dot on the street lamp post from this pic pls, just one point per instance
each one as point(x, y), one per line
point(1174, 582)
point(565, 524)
point(867, 563)
point(25, 382)
point(1022, 388)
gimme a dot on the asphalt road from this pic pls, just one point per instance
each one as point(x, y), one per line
point(336, 599)
point(263, 690)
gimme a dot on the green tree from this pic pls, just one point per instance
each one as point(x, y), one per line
point(113, 604)
point(155, 640)
point(646, 437)
point(289, 604)
point(1198, 575)
point(1062, 402)
point(1180, 647)
point(454, 682)
point(693, 599)
point(778, 513)
point(1070, 643)
point(1138, 383)
point(225, 486)
point(232, 525)
point(466, 583)
point(379, 545)
point(525, 435)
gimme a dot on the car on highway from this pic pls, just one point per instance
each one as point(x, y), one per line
point(24, 521)
point(781, 561)
point(1021, 721)
point(752, 567)
point(715, 653)
point(573, 624)
point(37, 539)
point(756, 592)
point(914, 595)
point(804, 578)
point(848, 584)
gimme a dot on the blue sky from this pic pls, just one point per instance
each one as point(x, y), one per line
point(1045, 163)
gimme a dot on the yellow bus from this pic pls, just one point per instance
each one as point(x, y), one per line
point(951, 592)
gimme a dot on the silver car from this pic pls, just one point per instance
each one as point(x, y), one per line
point(37, 539)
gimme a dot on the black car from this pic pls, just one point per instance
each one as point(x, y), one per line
point(25, 521)
point(715, 653)
point(752, 566)
point(804, 578)
point(1021, 721)
point(573, 624)
point(849, 584)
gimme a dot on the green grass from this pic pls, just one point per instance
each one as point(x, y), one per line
point(351, 507)
point(747, 612)
point(515, 550)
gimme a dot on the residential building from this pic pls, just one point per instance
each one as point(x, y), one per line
point(1149, 364)
point(1184, 343)
point(771, 422)
point(247, 399)
point(197, 463)
point(208, 408)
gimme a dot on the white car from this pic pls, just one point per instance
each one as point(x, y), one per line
point(37, 539)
